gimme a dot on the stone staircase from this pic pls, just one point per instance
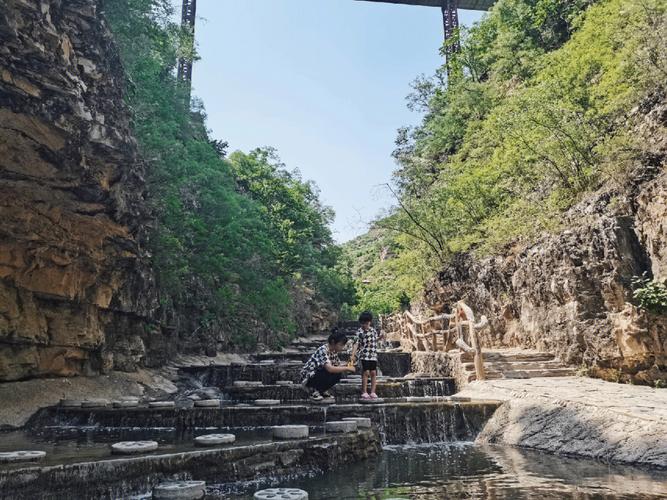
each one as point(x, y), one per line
point(511, 364)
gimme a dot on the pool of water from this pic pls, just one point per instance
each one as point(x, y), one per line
point(465, 470)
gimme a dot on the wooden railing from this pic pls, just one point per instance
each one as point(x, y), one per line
point(439, 333)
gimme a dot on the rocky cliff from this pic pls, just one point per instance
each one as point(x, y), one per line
point(74, 288)
point(570, 293)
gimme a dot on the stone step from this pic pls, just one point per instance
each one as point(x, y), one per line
point(509, 356)
point(524, 374)
point(515, 365)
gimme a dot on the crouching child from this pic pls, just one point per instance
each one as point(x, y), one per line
point(323, 369)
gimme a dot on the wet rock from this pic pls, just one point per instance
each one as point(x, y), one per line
point(281, 494)
point(21, 456)
point(341, 426)
point(180, 490)
point(133, 447)
point(290, 432)
point(214, 439)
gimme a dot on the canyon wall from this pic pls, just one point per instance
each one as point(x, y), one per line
point(75, 290)
point(570, 293)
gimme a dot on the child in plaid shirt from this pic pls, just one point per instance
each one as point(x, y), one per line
point(366, 344)
point(323, 370)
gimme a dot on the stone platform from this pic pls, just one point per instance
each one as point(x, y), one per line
point(578, 416)
point(397, 423)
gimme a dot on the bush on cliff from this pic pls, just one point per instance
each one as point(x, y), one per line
point(238, 242)
point(534, 115)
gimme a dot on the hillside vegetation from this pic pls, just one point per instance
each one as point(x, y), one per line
point(241, 247)
point(537, 112)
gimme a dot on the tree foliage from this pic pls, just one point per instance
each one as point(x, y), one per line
point(235, 238)
point(533, 116)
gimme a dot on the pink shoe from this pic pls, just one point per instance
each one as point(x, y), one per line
point(373, 395)
point(365, 396)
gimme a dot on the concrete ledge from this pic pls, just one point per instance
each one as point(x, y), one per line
point(578, 416)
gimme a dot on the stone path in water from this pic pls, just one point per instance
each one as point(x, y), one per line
point(578, 415)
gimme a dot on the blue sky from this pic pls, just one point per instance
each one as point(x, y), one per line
point(322, 81)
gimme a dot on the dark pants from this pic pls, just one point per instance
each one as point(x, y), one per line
point(323, 380)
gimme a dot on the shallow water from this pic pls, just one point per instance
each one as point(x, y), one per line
point(465, 470)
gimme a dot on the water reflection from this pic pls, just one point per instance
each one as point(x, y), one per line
point(468, 471)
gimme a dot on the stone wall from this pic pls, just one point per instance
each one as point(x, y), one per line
point(570, 293)
point(71, 197)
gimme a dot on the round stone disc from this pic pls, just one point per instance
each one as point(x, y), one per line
point(182, 490)
point(341, 426)
point(214, 439)
point(132, 447)
point(267, 402)
point(362, 422)
point(281, 494)
point(290, 431)
point(208, 403)
point(21, 456)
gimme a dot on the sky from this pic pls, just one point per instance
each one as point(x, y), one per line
point(322, 81)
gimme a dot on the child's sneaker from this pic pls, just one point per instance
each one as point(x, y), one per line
point(373, 396)
point(316, 396)
point(365, 396)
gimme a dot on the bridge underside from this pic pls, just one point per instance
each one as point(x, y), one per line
point(462, 4)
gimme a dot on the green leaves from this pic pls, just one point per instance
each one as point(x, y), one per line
point(234, 239)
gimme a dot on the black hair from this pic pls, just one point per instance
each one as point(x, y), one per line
point(337, 337)
point(365, 316)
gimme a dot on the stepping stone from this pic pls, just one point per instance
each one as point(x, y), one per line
point(267, 362)
point(133, 447)
point(95, 403)
point(161, 404)
point(371, 401)
point(208, 403)
point(362, 422)
point(70, 403)
point(21, 456)
point(419, 399)
point(267, 402)
point(247, 383)
point(341, 426)
point(290, 431)
point(214, 439)
point(284, 382)
point(125, 404)
point(281, 494)
point(181, 490)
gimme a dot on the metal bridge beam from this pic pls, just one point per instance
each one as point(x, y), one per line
point(188, 17)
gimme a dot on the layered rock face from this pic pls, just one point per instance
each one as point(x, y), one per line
point(74, 289)
point(571, 293)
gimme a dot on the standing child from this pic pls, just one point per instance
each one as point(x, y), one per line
point(322, 370)
point(366, 344)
